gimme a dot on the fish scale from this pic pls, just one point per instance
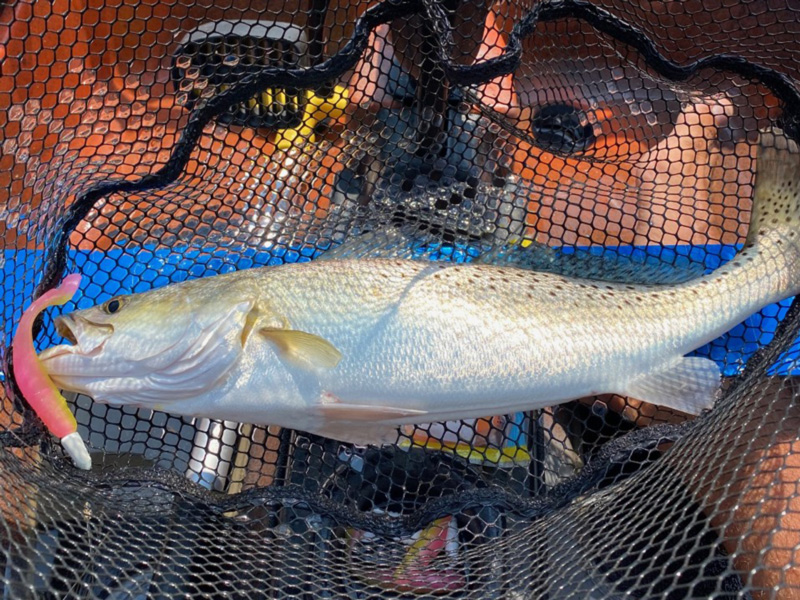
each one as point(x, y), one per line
point(470, 307)
point(352, 349)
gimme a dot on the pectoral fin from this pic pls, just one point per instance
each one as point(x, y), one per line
point(303, 349)
point(688, 384)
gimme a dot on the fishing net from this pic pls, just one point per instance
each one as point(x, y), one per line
point(146, 143)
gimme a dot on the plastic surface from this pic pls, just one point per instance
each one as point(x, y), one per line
point(39, 391)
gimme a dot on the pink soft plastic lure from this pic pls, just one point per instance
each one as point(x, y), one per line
point(417, 573)
point(34, 382)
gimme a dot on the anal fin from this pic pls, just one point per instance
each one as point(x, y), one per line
point(341, 411)
point(362, 423)
point(689, 384)
point(364, 434)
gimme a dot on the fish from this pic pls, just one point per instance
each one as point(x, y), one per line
point(354, 349)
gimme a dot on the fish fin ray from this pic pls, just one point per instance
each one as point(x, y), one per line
point(303, 349)
point(359, 413)
point(371, 434)
point(249, 323)
point(385, 242)
point(362, 424)
point(689, 384)
point(609, 266)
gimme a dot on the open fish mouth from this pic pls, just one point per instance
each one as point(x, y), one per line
point(64, 330)
point(86, 338)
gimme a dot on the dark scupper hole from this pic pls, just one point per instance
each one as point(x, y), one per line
point(562, 128)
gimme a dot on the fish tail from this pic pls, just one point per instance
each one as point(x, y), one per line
point(776, 200)
point(774, 232)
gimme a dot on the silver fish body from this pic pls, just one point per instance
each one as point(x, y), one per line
point(351, 349)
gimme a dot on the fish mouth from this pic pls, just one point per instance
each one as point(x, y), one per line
point(87, 338)
point(65, 331)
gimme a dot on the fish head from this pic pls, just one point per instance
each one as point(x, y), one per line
point(122, 331)
point(143, 348)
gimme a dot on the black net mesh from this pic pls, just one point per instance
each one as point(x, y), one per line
point(150, 143)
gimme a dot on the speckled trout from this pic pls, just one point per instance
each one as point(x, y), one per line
point(353, 349)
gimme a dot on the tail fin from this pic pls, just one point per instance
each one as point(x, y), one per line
point(776, 201)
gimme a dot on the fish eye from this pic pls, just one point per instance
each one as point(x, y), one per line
point(112, 306)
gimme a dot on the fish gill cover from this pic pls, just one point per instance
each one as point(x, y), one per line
point(149, 143)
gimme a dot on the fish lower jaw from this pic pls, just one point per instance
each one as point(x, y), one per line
point(65, 384)
point(56, 351)
point(62, 350)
